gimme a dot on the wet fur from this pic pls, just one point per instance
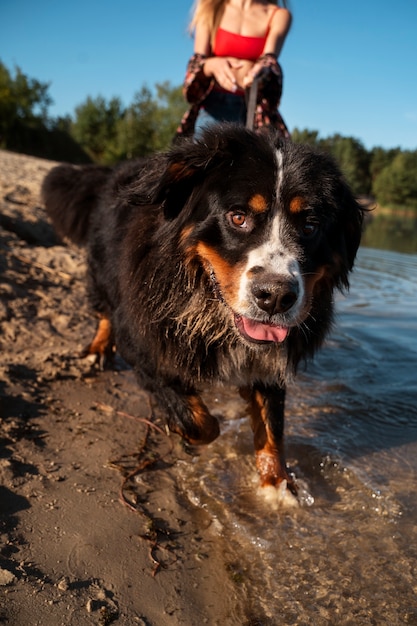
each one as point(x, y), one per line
point(146, 223)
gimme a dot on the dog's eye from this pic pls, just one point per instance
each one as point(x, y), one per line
point(238, 219)
point(309, 228)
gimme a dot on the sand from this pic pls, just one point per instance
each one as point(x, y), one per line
point(94, 527)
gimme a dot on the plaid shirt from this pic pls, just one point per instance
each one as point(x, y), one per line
point(197, 87)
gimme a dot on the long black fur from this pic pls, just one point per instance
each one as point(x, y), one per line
point(142, 223)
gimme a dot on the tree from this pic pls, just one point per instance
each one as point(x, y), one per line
point(310, 137)
point(171, 107)
point(137, 130)
point(380, 158)
point(150, 121)
point(353, 160)
point(23, 100)
point(96, 126)
point(396, 185)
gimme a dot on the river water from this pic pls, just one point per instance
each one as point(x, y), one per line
point(348, 553)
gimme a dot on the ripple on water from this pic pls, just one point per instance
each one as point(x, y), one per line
point(348, 553)
point(337, 555)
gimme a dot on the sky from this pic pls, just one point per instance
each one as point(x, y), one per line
point(349, 67)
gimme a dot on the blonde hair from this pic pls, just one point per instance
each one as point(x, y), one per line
point(210, 12)
point(207, 12)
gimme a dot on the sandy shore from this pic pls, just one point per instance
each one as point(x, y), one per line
point(94, 529)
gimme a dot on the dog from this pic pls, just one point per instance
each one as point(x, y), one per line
point(216, 261)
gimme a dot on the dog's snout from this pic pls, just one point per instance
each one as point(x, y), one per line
point(276, 294)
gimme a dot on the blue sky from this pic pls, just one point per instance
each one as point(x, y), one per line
point(349, 67)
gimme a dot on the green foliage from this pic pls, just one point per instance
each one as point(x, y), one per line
point(138, 129)
point(21, 98)
point(396, 230)
point(353, 159)
point(108, 132)
point(24, 125)
point(396, 184)
point(380, 158)
point(95, 127)
point(310, 137)
point(171, 107)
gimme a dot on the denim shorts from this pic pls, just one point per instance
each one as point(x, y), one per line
point(220, 107)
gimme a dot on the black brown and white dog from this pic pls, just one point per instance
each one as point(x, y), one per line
point(216, 261)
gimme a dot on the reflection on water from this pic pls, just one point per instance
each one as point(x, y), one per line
point(347, 555)
point(392, 232)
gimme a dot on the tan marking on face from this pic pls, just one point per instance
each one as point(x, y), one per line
point(228, 276)
point(258, 203)
point(311, 280)
point(297, 204)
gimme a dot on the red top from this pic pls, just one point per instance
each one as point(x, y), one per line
point(228, 44)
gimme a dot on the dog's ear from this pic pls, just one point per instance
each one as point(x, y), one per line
point(350, 231)
point(190, 162)
point(186, 167)
point(175, 187)
point(343, 214)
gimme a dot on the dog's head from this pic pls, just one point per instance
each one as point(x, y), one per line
point(273, 225)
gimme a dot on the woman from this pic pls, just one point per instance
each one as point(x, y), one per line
point(235, 42)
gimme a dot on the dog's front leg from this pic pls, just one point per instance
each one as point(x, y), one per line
point(193, 421)
point(186, 413)
point(266, 406)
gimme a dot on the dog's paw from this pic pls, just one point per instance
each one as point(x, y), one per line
point(279, 496)
point(102, 349)
point(102, 358)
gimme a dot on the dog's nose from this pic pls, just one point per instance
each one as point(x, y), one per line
point(276, 294)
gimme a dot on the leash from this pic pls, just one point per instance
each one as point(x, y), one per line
point(251, 104)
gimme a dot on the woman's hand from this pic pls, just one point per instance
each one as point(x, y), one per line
point(248, 79)
point(251, 75)
point(264, 68)
point(223, 70)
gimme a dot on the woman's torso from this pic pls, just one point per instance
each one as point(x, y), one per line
point(242, 34)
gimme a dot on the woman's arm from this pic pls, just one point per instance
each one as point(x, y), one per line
point(280, 25)
point(196, 85)
point(202, 40)
point(278, 31)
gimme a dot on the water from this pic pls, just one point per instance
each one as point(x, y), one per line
point(347, 554)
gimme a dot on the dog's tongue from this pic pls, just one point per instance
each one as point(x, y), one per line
point(263, 332)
